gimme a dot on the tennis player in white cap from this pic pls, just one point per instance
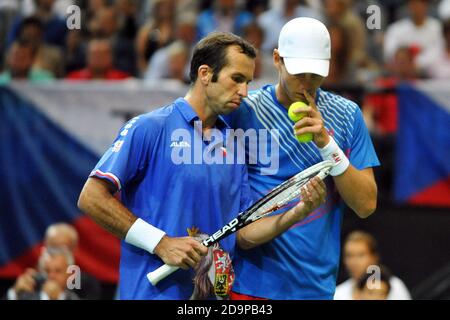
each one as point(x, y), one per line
point(302, 263)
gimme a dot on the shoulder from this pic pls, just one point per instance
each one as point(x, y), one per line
point(256, 97)
point(335, 102)
point(436, 23)
point(344, 290)
point(149, 123)
point(399, 291)
point(399, 25)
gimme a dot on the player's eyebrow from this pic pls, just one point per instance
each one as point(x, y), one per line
point(240, 77)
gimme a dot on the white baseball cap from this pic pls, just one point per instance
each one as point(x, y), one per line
point(304, 44)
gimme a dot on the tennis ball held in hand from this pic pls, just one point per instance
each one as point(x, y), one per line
point(306, 137)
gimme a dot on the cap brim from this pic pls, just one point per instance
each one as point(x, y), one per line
point(299, 65)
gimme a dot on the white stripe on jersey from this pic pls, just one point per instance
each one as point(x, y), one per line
point(338, 114)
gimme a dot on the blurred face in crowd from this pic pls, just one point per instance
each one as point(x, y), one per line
point(56, 269)
point(403, 64)
point(107, 22)
point(377, 293)
point(225, 94)
point(177, 63)
point(334, 8)
point(164, 9)
point(20, 60)
point(95, 5)
point(291, 86)
point(418, 10)
point(32, 33)
point(99, 56)
point(186, 32)
point(60, 240)
point(47, 5)
point(357, 257)
point(226, 6)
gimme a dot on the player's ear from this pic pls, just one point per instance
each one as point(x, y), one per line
point(277, 60)
point(205, 74)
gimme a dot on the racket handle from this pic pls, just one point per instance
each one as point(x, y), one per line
point(162, 272)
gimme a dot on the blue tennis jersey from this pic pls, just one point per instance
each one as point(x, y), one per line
point(302, 263)
point(163, 178)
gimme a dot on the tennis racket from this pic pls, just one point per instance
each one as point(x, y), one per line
point(274, 200)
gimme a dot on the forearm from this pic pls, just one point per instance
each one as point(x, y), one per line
point(358, 190)
point(97, 201)
point(266, 229)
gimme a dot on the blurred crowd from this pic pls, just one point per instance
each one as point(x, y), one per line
point(153, 39)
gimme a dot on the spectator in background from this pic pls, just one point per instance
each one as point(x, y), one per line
point(159, 65)
point(49, 282)
point(375, 287)
point(75, 53)
point(55, 28)
point(105, 24)
point(48, 57)
point(439, 68)
point(224, 16)
point(8, 11)
point(19, 64)
point(420, 32)
point(274, 19)
point(380, 107)
point(340, 12)
point(157, 33)
point(341, 67)
point(360, 251)
point(28, 7)
point(100, 63)
point(63, 235)
point(169, 63)
point(256, 7)
point(264, 68)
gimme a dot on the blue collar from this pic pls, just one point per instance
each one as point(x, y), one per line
point(190, 116)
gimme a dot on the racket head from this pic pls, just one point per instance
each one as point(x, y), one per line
point(287, 191)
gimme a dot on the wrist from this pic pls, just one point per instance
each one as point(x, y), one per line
point(334, 153)
point(143, 235)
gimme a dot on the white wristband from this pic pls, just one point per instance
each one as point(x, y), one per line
point(143, 235)
point(332, 152)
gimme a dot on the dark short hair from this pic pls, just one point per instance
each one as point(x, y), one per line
point(212, 51)
point(362, 236)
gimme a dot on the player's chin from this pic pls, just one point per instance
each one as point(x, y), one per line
point(230, 107)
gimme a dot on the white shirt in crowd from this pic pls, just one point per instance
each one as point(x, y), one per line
point(404, 33)
point(398, 291)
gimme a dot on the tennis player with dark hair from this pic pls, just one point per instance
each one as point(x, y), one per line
point(161, 199)
point(303, 262)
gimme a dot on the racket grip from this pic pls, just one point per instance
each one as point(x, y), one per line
point(162, 272)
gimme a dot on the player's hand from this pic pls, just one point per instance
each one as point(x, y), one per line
point(312, 123)
point(313, 195)
point(185, 252)
point(25, 282)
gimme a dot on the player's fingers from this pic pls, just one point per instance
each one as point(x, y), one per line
point(200, 248)
point(310, 99)
point(187, 260)
point(194, 255)
point(307, 121)
point(319, 185)
point(309, 129)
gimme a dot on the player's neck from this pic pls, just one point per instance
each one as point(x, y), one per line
point(199, 104)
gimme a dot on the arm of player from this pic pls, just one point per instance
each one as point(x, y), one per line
point(265, 229)
point(97, 201)
point(357, 187)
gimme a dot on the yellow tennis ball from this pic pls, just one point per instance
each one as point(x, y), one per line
point(295, 117)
